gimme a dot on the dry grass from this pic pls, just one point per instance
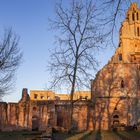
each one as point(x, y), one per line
point(103, 135)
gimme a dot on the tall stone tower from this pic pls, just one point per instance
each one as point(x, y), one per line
point(128, 50)
point(116, 88)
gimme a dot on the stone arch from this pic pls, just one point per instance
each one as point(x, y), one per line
point(115, 116)
point(35, 123)
point(116, 119)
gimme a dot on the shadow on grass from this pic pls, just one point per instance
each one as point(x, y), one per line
point(64, 135)
point(93, 135)
point(19, 135)
point(98, 135)
point(87, 135)
point(74, 136)
point(121, 136)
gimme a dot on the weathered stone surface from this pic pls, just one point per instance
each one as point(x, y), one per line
point(116, 89)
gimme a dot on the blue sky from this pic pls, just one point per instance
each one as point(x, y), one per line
point(29, 19)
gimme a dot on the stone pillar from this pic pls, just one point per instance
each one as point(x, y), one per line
point(3, 115)
point(24, 110)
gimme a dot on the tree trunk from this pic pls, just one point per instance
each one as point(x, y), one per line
point(71, 104)
point(73, 90)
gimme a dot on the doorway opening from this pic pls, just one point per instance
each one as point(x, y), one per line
point(35, 123)
point(59, 119)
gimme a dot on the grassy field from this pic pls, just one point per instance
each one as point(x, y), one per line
point(19, 136)
point(103, 135)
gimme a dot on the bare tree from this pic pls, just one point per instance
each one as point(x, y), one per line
point(79, 38)
point(10, 58)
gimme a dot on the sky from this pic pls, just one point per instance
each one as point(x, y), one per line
point(29, 19)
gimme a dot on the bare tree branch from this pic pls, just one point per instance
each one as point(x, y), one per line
point(72, 63)
point(10, 59)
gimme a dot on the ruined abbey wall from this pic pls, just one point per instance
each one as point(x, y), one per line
point(14, 116)
point(30, 114)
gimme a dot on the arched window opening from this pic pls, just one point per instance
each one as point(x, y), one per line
point(138, 31)
point(133, 16)
point(116, 116)
point(122, 84)
point(137, 16)
point(120, 57)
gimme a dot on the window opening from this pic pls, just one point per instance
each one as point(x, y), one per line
point(120, 57)
point(138, 31)
point(133, 16)
point(35, 96)
point(115, 108)
point(122, 84)
point(42, 97)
